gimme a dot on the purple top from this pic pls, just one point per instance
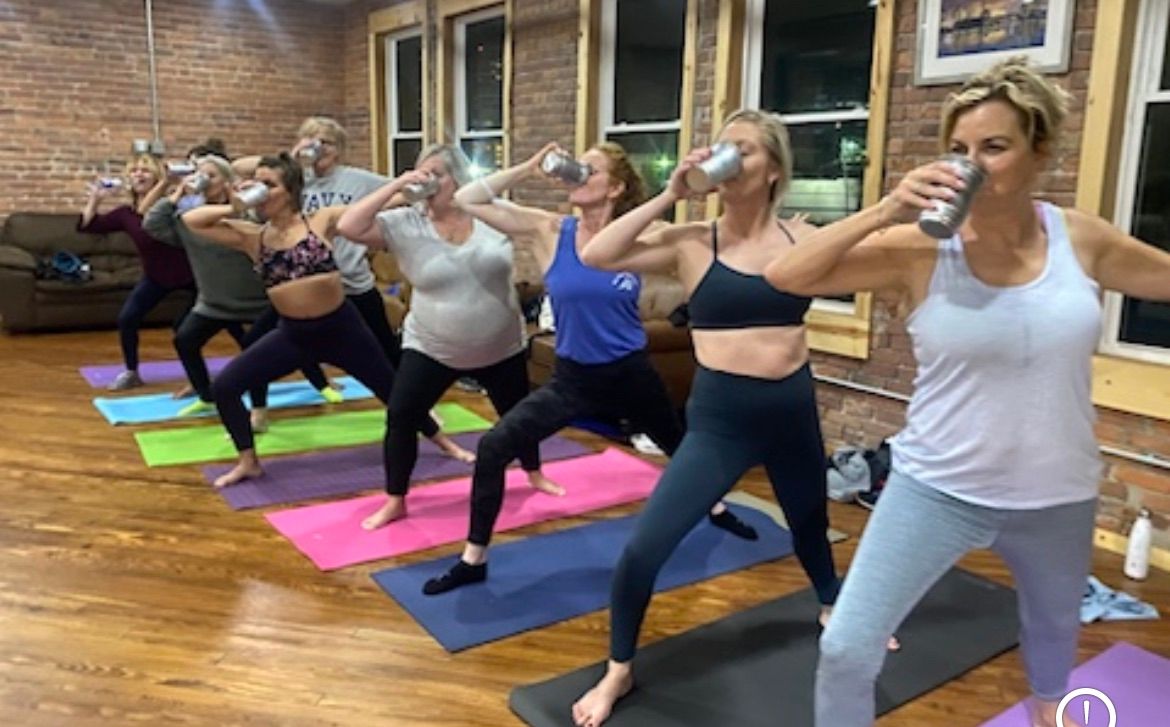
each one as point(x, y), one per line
point(162, 263)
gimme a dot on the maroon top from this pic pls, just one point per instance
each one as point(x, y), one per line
point(162, 263)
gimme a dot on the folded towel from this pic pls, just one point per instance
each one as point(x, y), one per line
point(1102, 603)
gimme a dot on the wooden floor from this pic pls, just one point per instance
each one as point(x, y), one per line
point(131, 595)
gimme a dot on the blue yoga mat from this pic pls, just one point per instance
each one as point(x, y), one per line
point(549, 578)
point(161, 407)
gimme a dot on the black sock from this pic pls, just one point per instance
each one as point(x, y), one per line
point(732, 524)
point(461, 574)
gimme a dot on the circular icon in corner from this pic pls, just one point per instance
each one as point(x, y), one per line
point(1083, 707)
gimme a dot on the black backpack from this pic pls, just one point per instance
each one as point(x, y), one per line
point(879, 465)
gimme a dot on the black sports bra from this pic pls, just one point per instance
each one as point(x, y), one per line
point(728, 298)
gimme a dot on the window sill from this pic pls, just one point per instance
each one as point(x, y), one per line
point(1132, 386)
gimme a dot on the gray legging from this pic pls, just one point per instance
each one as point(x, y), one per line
point(915, 535)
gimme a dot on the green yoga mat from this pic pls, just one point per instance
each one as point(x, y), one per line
point(301, 434)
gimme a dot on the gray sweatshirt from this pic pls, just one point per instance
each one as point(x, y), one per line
point(344, 185)
point(228, 287)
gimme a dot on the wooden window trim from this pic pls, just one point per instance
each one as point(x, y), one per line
point(380, 24)
point(1129, 385)
point(448, 12)
point(829, 331)
point(589, 83)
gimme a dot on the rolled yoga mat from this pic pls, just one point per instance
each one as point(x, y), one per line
point(152, 372)
point(1134, 680)
point(164, 407)
point(332, 537)
point(320, 475)
point(548, 578)
point(299, 434)
point(756, 668)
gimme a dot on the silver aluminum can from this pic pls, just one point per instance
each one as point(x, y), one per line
point(180, 169)
point(566, 168)
point(309, 154)
point(417, 191)
point(724, 163)
point(140, 146)
point(199, 182)
point(111, 183)
point(943, 220)
point(253, 195)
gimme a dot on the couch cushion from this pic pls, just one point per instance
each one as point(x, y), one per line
point(43, 233)
point(102, 281)
point(16, 258)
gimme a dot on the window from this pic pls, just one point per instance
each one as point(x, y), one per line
point(479, 88)
point(810, 62)
point(403, 92)
point(641, 91)
point(1136, 328)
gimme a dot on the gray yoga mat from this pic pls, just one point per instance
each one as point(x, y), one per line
point(756, 668)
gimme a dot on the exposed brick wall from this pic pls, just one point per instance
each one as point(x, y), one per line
point(77, 85)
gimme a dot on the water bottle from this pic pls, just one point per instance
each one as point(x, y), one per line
point(1137, 555)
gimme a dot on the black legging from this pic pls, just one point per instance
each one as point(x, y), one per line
point(628, 388)
point(421, 380)
point(733, 423)
point(197, 329)
point(339, 338)
point(144, 298)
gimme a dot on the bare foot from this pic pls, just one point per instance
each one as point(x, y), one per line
point(394, 509)
point(892, 645)
point(595, 706)
point(448, 447)
point(1044, 715)
point(244, 470)
point(538, 481)
point(184, 392)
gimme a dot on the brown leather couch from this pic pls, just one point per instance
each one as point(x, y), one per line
point(30, 304)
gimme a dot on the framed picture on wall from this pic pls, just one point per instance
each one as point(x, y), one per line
point(958, 38)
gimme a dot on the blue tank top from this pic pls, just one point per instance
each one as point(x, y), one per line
point(595, 311)
point(727, 298)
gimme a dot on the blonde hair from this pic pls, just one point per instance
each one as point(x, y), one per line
point(624, 171)
point(453, 158)
point(144, 160)
point(1040, 104)
point(775, 138)
point(323, 126)
point(222, 165)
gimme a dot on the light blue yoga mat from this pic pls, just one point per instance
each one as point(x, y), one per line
point(161, 407)
point(548, 578)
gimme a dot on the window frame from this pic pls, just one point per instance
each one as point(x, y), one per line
point(1145, 80)
point(390, 73)
point(595, 81)
point(453, 16)
point(402, 20)
point(835, 327)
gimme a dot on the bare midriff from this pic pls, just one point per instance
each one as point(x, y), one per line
point(765, 352)
point(310, 297)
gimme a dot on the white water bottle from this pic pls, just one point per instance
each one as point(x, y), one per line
point(1137, 555)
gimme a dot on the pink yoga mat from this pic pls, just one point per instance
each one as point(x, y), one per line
point(332, 537)
point(152, 372)
point(1134, 680)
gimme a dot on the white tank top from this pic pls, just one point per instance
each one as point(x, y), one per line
point(1001, 414)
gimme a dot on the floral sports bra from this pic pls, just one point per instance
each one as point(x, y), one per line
point(310, 256)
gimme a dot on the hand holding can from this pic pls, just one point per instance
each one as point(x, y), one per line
point(946, 216)
point(724, 163)
point(559, 164)
point(250, 196)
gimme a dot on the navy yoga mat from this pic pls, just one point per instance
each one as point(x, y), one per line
point(549, 578)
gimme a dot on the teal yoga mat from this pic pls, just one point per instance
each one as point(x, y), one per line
point(163, 407)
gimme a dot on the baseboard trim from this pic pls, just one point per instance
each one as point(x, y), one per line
point(1116, 543)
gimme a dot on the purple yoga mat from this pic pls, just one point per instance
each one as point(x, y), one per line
point(348, 471)
point(152, 372)
point(1133, 679)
